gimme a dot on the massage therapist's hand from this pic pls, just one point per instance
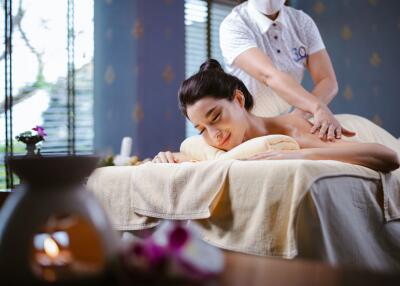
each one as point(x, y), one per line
point(328, 126)
point(170, 157)
point(302, 113)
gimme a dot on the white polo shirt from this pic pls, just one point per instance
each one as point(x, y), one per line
point(287, 41)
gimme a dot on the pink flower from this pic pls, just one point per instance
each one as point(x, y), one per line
point(146, 254)
point(155, 254)
point(178, 237)
point(40, 130)
point(174, 251)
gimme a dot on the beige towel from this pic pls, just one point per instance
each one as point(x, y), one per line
point(133, 195)
point(196, 148)
point(178, 191)
point(247, 206)
point(111, 186)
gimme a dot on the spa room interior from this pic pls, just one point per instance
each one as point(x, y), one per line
point(107, 179)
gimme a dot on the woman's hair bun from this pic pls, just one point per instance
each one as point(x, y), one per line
point(211, 65)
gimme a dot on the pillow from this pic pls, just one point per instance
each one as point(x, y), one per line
point(197, 149)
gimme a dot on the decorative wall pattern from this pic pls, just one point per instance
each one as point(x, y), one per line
point(139, 65)
point(363, 40)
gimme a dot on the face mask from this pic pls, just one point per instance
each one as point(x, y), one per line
point(267, 7)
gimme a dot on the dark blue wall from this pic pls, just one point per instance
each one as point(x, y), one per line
point(138, 67)
point(363, 40)
point(139, 64)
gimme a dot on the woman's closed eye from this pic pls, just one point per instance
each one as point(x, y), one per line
point(216, 117)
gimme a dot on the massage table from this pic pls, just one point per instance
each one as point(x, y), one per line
point(326, 210)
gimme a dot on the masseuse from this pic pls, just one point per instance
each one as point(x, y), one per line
point(268, 45)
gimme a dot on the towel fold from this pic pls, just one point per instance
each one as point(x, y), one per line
point(178, 191)
point(135, 196)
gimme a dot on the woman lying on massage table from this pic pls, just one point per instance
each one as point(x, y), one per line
point(218, 105)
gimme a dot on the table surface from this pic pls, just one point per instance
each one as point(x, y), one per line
point(248, 270)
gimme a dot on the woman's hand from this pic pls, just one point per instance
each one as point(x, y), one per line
point(328, 126)
point(278, 155)
point(170, 157)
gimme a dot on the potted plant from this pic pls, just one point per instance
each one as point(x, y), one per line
point(31, 139)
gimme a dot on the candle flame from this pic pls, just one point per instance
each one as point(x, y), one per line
point(51, 247)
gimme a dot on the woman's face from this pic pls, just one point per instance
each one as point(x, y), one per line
point(221, 122)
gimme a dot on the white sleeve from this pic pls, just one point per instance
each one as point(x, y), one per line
point(234, 38)
point(312, 36)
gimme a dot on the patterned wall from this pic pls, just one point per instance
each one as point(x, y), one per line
point(363, 40)
point(139, 65)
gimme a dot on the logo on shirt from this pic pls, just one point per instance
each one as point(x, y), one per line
point(299, 53)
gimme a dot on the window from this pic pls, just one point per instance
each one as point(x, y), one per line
point(52, 44)
point(198, 48)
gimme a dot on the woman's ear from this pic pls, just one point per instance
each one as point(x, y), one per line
point(239, 97)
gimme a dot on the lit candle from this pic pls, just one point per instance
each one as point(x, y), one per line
point(126, 146)
point(53, 262)
point(51, 248)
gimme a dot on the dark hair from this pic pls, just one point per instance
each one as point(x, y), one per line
point(211, 81)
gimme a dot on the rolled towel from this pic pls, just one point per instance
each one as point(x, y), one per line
point(197, 149)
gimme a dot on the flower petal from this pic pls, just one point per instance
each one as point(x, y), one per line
point(178, 237)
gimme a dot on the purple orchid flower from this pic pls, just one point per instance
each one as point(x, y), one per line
point(174, 251)
point(178, 237)
point(154, 253)
point(40, 130)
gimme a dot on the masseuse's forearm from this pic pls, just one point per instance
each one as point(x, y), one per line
point(290, 90)
point(258, 65)
point(326, 89)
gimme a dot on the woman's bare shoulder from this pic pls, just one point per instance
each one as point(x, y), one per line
point(299, 128)
point(293, 124)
